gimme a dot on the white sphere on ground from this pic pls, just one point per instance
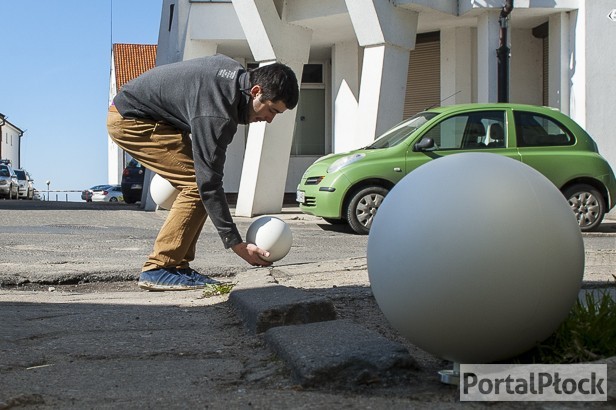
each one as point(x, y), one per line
point(162, 192)
point(272, 234)
point(475, 257)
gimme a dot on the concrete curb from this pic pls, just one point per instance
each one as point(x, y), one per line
point(272, 306)
point(340, 353)
point(301, 329)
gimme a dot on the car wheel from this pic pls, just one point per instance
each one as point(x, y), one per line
point(363, 206)
point(113, 199)
point(587, 204)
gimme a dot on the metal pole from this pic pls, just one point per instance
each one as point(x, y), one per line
point(504, 53)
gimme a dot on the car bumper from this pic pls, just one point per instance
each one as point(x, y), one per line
point(324, 199)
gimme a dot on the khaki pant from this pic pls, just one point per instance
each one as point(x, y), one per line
point(167, 151)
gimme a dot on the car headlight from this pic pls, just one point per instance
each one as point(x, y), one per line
point(344, 161)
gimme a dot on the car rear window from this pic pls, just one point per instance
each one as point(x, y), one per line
point(536, 130)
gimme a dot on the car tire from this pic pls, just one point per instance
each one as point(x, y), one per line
point(113, 199)
point(363, 206)
point(587, 204)
point(129, 200)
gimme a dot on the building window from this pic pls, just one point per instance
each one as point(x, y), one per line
point(171, 9)
point(312, 74)
point(309, 134)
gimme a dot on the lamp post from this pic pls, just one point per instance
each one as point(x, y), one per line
point(503, 52)
point(48, 182)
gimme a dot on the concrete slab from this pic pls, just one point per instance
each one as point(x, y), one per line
point(340, 353)
point(276, 305)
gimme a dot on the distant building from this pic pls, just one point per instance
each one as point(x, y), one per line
point(127, 62)
point(10, 141)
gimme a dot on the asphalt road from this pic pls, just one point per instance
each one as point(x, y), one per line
point(71, 242)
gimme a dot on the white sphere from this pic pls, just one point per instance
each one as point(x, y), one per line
point(475, 257)
point(273, 235)
point(162, 192)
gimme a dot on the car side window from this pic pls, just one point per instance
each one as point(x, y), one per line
point(535, 130)
point(476, 130)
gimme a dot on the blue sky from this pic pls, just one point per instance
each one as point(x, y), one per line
point(54, 81)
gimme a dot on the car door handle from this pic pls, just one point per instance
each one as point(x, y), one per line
point(397, 169)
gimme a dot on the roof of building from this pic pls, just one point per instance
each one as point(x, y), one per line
point(132, 60)
point(4, 121)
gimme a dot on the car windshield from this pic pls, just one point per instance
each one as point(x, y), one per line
point(20, 174)
point(401, 131)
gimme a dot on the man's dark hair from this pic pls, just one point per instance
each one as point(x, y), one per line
point(278, 83)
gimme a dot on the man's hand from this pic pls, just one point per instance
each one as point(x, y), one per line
point(251, 254)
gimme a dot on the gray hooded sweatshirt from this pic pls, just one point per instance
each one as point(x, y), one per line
point(205, 97)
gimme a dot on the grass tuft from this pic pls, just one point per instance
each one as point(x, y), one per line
point(588, 333)
point(217, 290)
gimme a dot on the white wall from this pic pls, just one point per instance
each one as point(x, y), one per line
point(525, 69)
point(114, 153)
point(600, 72)
point(11, 140)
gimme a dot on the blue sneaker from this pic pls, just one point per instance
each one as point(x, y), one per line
point(197, 277)
point(167, 279)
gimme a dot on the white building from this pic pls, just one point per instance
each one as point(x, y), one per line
point(367, 64)
point(10, 142)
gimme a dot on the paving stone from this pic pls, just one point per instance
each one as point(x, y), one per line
point(340, 353)
point(276, 305)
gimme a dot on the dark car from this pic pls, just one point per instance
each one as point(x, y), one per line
point(132, 181)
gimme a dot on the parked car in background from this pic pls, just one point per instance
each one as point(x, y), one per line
point(37, 195)
point(349, 187)
point(26, 184)
point(112, 193)
point(86, 194)
point(9, 185)
point(132, 181)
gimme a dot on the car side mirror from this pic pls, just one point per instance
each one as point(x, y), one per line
point(424, 144)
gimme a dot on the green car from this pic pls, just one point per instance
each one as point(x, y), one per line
point(349, 187)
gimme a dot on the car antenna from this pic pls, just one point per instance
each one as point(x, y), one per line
point(444, 99)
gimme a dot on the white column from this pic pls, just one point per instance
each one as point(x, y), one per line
point(388, 34)
point(381, 98)
point(558, 82)
point(456, 65)
point(268, 146)
point(598, 73)
point(487, 65)
point(345, 93)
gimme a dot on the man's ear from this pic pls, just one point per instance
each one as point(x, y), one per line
point(255, 90)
